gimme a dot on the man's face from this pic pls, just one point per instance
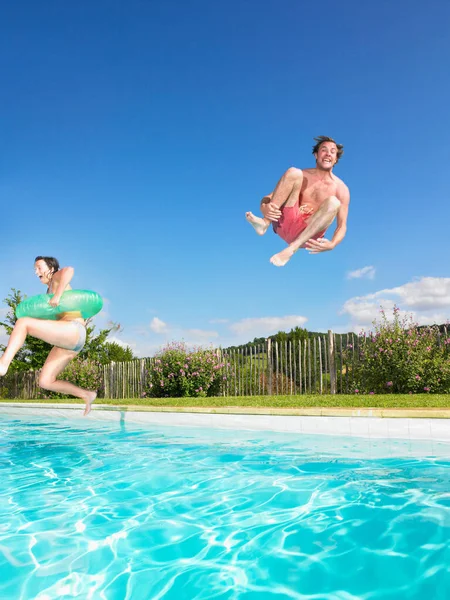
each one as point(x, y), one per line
point(326, 157)
point(42, 271)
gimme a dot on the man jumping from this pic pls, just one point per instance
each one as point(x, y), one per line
point(304, 204)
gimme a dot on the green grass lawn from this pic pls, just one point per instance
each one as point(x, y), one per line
point(303, 401)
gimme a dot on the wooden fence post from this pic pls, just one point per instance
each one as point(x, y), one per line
point(269, 364)
point(331, 361)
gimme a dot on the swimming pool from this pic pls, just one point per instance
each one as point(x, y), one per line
point(123, 511)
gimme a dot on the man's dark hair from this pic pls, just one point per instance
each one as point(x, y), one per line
point(323, 138)
point(51, 262)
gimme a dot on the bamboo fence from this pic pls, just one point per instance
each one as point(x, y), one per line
point(319, 365)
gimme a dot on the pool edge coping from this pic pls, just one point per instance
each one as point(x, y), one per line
point(400, 413)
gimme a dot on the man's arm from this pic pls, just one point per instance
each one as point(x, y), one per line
point(343, 196)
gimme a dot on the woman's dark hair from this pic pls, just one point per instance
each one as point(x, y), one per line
point(323, 138)
point(51, 262)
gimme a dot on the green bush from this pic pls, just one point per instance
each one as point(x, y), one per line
point(177, 372)
point(401, 357)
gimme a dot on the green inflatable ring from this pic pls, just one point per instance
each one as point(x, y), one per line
point(84, 301)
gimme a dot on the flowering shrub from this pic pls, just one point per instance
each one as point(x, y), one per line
point(177, 371)
point(400, 357)
point(84, 373)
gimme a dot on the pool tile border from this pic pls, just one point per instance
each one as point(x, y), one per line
point(397, 413)
point(348, 424)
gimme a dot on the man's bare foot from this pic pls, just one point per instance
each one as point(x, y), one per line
point(89, 401)
point(259, 225)
point(3, 369)
point(280, 259)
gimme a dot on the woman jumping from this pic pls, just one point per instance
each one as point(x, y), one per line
point(67, 334)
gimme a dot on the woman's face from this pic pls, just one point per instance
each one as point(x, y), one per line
point(43, 272)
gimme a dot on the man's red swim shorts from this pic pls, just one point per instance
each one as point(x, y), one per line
point(292, 223)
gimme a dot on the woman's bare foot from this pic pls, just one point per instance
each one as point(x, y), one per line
point(3, 368)
point(89, 401)
point(259, 225)
point(280, 259)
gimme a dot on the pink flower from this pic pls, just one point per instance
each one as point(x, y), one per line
point(356, 391)
point(389, 383)
point(371, 393)
point(426, 389)
point(417, 377)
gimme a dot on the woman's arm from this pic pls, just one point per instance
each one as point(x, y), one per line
point(61, 280)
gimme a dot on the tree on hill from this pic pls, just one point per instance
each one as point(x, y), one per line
point(295, 335)
point(114, 352)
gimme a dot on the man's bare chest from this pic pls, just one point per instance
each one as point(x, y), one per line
point(316, 191)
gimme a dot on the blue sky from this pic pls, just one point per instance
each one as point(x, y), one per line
point(136, 134)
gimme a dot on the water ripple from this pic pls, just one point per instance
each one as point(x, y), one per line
point(106, 512)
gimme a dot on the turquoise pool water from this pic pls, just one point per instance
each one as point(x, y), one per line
point(112, 511)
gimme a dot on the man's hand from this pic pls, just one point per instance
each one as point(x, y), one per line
point(319, 245)
point(271, 211)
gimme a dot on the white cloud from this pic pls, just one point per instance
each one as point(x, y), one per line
point(158, 326)
point(145, 343)
point(115, 340)
point(426, 293)
point(366, 272)
point(426, 299)
point(201, 333)
point(263, 326)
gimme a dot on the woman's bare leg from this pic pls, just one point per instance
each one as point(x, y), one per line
point(56, 333)
point(56, 362)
